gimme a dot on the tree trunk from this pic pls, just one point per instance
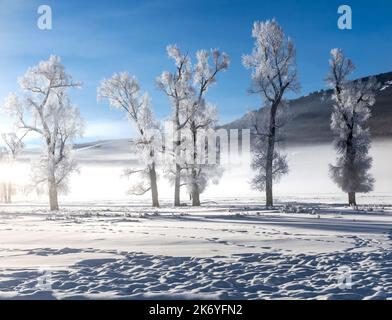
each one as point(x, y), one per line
point(9, 192)
point(177, 178)
point(177, 186)
point(53, 197)
point(269, 201)
point(195, 186)
point(195, 196)
point(351, 199)
point(351, 154)
point(3, 192)
point(154, 188)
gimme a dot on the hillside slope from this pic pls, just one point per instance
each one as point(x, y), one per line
point(310, 115)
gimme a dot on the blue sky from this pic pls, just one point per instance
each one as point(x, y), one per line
point(97, 38)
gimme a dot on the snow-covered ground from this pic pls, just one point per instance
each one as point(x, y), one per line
point(234, 249)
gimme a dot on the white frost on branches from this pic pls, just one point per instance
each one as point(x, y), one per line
point(351, 111)
point(273, 74)
point(46, 110)
point(186, 88)
point(272, 62)
point(123, 92)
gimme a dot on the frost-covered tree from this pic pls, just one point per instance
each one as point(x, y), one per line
point(177, 87)
point(351, 111)
point(45, 109)
point(202, 119)
point(13, 142)
point(186, 89)
point(123, 92)
point(273, 75)
point(199, 168)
